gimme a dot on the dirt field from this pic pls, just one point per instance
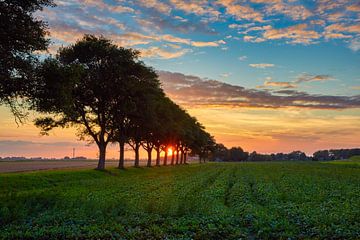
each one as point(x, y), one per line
point(28, 165)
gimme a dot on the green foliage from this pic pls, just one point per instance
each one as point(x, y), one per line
point(353, 161)
point(211, 201)
point(21, 35)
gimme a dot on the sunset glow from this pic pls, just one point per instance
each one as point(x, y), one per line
point(170, 151)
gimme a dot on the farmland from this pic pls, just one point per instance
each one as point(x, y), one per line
point(355, 160)
point(197, 201)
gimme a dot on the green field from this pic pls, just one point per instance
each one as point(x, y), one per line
point(355, 160)
point(208, 201)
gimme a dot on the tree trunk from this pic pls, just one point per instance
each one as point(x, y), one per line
point(185, 157)
point(158, 156)
point(165, 157)
point(137, 158)
point(182, 157)
point(177, 156)
point(172, 158)
point(122, 157)
point(149, 151)
point(102, 155)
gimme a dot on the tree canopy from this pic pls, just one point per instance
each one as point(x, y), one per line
point(21, 34)
point(111, 96)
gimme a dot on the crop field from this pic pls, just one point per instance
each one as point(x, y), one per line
point(197, 201)
point(355, 160)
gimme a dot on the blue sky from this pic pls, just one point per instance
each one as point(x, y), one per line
point(208, 38)
point(268, 75)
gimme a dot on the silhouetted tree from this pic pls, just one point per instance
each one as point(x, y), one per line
point(238, 154)
point(20, 35)
point(133, 118)
point(322, 155)
point(80, 86)
point(220, 153)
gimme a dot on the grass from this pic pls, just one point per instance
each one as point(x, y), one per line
point(355, 160)
point(209, 201)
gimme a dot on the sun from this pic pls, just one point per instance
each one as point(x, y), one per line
point(170, 151)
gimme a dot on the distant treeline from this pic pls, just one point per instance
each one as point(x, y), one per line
point(334, 154)
point(236, 154)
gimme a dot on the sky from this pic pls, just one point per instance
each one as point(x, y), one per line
point(266, 75)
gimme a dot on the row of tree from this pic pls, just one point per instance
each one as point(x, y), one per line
point(220, 153)
point(102, 89)
point(335, 154)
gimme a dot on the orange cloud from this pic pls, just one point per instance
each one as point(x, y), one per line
point(161, 53)
point(241, 11)
point(296, 12)
point(196, 7)
point(297, 34)
point(156, 4)
point(353, 8)
point(100, 4)
point(193, 91)
point(279, 84)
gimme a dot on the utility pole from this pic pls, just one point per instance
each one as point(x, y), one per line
point(73, 152)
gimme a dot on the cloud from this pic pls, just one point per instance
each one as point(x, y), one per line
point(207, 44)
point(235, 25)
point(296, 33)
point(305, 77)
point(241, 11)
point(159, 6)
point(320, 22)
point(257, 20)
point(225, 75)
point(243, 58)
point(302, 78)
point(329, 35)
point(355, 44)
point(162, 53)
point(173, 23)
point(353, 8)
point(337, 27)
point(261, 65)
point(196, 7)
point(296, 12)
point(325, 5)
point(193, 91)
point(171, 38)
point(100, 4)
point(68, 33)
point(253, 39)
point(279, 84)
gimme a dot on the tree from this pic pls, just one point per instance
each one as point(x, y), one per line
point(20, 35)
point(162, 125)
point(238, 154)
point(322, 155)
point(198, 140)
point(220, 153)
point(79, 88)
point(297, 156)
point(134, 117)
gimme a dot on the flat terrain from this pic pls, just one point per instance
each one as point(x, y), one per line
point(32, 165)
point(355, 160)
point(197, 201)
